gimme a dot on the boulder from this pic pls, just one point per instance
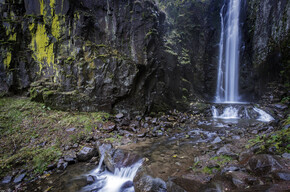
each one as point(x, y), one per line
point(91, 179)
point(184, 184)
point(228, 151)
point(19, 178)
point(242, 179)
point(86, 153)
point(173, 187)
point(283, 175)
point(126, 185)
point(263, 164)
point(119, 115)
point(62, 165)
point(7, 179)
point(149, 184)
point(109, 127)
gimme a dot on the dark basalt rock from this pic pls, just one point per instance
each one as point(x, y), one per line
point(242, 179)
point(19, 178)
point(126, 185)
point(264, 164)
point(86, 153)
point(149, 184)
point(91, 179)
point(283, 175)
point(7, 179)
point(62, 165)
point(131, 56)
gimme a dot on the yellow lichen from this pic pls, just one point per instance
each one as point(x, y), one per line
point(42, 48)
point(52, 6)
point(7, 60)
point(12, 37)
point(41, 8)
point(31, 26)
point(55, 26)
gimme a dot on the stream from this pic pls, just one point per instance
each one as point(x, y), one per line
point(173, 155)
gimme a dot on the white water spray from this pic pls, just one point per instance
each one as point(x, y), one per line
point(228, 69)
point(113, 182)
point(228, 113)
point(215, 112)
point(265, 117)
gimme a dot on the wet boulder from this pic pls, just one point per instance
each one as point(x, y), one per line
point(109, 127)
point(7, 179)
point(184, 184)
point(283, 175)
point(173, 187)
point(263, 164)
point(241, 179)
point(126, 185)
point(146, 183)
point(86, 153)
point(91, 179)
point(227, 150)
point(247, 154)
point(19, 178)
point(62, 164)
point(70, 157)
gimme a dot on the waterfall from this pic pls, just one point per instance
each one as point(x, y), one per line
point(228, 66)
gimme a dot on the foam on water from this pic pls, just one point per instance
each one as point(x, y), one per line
point(228, 113)
point(265, 117)
point(112, 182)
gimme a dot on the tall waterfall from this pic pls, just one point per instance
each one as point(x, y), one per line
point(228, 70)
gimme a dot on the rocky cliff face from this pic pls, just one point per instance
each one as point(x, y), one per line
point(265, 57)
point(141, 55)
point(84, 55)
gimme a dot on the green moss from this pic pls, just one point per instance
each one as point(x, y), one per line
point(170, 52)
point(25, 125)
point(43, 157)
point(279, 141)
point(208, 170)
point(184, 90)
point(47, 94)
point(222, 160)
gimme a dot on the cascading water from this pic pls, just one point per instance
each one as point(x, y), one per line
point(265, 117)
point(228, 113)
point(228, 69)
point(120, 180)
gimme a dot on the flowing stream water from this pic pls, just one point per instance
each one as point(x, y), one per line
point(106, 181)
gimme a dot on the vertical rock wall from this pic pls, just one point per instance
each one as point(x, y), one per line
point(266, 57)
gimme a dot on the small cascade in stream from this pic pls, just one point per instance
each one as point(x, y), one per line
point(241, 112)
point(228, 113)
point(215, 112)
point(246, 113)
point(120, 180)
point(265, 117)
